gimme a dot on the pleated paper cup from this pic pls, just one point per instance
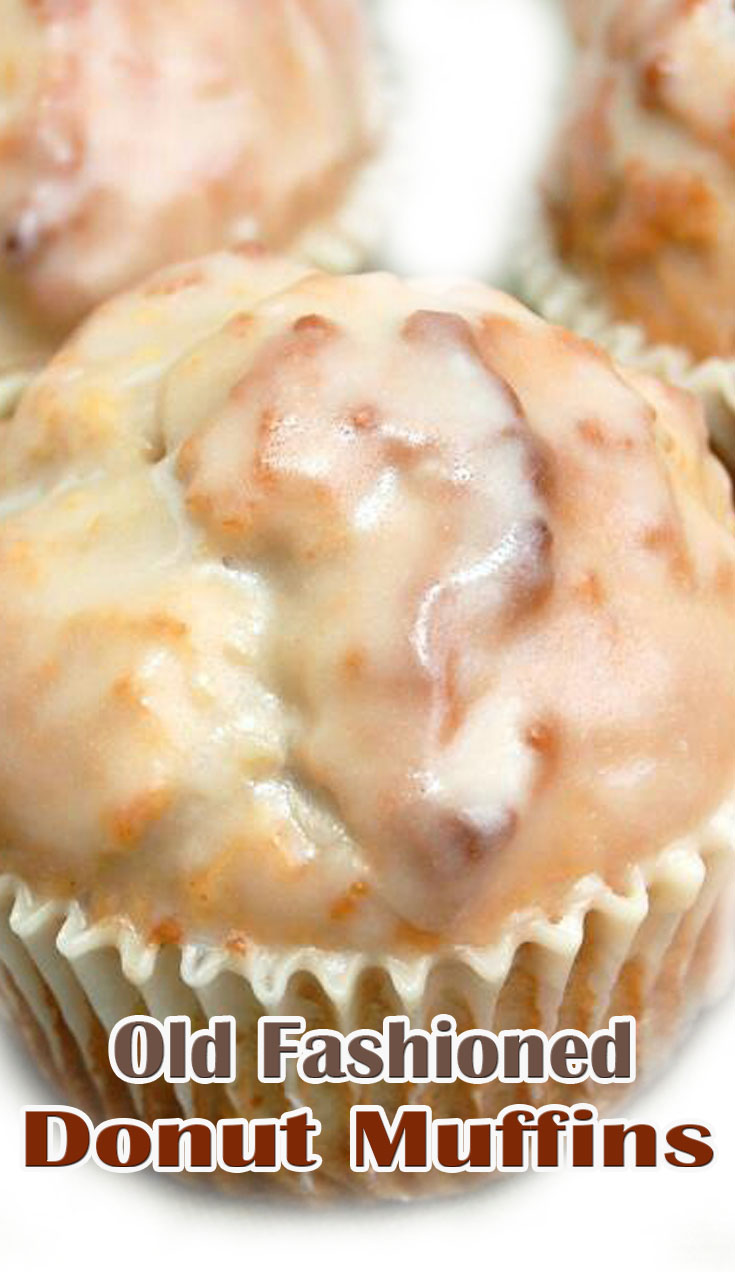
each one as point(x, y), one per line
point(570, 299)
point(661, 951)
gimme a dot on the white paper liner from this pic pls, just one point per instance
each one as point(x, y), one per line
point(569, 299)
point(660, 950)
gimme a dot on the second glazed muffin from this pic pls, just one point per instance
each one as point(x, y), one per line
point(133, 135)
point(367, 646)
point(640, 196)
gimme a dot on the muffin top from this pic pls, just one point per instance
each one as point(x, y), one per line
point(135, 134)
point(642, 186)
point(352, 612)
point(583, 15)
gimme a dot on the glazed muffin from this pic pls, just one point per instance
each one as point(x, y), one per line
point(582, 16)
point(640, 194)
point(367, 648)
point(133, 135)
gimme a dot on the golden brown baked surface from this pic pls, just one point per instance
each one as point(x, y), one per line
point(641, 190)
point(135, 134)
point(352, 612)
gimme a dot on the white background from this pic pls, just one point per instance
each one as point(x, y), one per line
point(479, 86)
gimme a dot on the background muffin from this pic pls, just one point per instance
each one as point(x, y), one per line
point(368, 647)
point(133, 135)
point(583, 15)
point(640, 194)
